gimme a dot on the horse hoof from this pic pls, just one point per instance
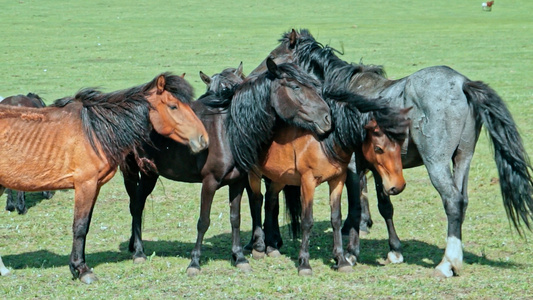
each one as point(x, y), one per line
point(244, 267)
point(345, 269)
point(305, 272)
point(257, 255)
point(442, 273)
point(88, 278)
point(5, 272)
point(394, 258)
point(139, 260)
point(352, 259)
point(274, 253)
point(191, 272)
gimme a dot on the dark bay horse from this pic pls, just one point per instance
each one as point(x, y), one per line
point(448, 112)
point(30, 100)
point(293, 155)
point(78, 143)
point(284, 89)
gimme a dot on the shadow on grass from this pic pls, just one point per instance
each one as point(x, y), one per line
point(219, 248)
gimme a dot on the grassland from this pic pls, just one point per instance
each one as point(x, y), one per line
point(54, 48)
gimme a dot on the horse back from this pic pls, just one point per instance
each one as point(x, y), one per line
point(44, 149)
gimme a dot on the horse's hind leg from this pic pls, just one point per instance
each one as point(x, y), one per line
point(3, 270)
point(10, 203)
point(21, 203)
point(235, 197)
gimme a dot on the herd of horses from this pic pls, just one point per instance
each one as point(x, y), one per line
point(301, 118)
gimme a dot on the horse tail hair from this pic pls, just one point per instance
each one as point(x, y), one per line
point(512, 161)
point(293, 208)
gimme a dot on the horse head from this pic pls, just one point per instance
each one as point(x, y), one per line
point(173, 117)
point(224, 82)
point(383, 151)
point(296, 98)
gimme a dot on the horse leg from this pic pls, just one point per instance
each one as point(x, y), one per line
point(353, 220)
point(10, 203)
point(85, 195)
point(138, 189)
point(271, 225)
point(3, 270)
point(366, 219)
point(21, 203)
point(209, 187)
point(308, 191)
point(335, 192)
point(454, 205)
point(235, 195)
point(386, 209)
point(256, 204)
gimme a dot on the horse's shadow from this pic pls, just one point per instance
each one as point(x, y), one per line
point(218, 247)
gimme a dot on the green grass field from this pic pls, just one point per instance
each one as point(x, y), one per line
point(54, 48)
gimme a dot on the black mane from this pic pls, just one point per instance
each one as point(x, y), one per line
point(119, 121)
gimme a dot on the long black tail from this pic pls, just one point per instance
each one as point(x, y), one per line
point(293, 208)
point(512, 161)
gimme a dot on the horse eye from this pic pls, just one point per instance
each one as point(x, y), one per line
point(378, 150)
point(173, 107)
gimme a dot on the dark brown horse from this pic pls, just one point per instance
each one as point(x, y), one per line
point(79, 142)
point(282, 90)
point(448, 111)
point(292, 155)
point(30, 100)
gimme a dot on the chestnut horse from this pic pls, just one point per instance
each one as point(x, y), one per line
point(291, 155)
point(283, 91)
point(448, 111)
point(30, 100)
point(78, 143)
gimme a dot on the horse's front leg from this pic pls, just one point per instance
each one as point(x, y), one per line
point(255, 199)
point(85, 194)
point(138, 189)
point(271, 225)
point(335, 192)
point(209, 187)
point(21, 203)
point(386, 209)
point(308, 192)
point(235, 195)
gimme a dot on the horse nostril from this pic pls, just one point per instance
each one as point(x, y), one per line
point(327, 120)
point(203, 141)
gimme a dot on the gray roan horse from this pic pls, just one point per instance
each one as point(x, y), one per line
point(30, 100)
point(448, 113)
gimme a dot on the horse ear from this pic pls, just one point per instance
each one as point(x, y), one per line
point(272, 67)
point(183, 75)
point(206, 79)
point(292, 39)
point(238, 72)
point(161, 83)
point(372, 126)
